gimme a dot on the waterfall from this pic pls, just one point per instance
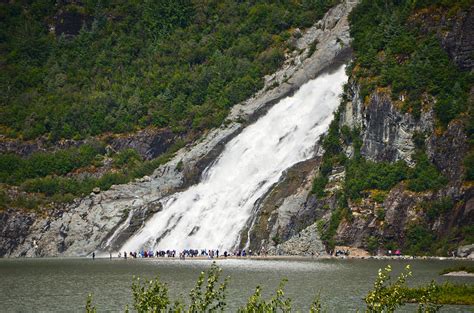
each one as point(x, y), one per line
point(212, 213)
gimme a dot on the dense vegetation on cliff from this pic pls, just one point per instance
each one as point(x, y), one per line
point(168, 63)
point(80, 69)
point(395, 54)
point(391, 51)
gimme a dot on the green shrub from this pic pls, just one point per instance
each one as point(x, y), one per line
point(276, 304)
point(127, 157)
point(319, 184)
point(425, 176)
point(447, 293)
point(363, 175)
point(331, 229)
point(320, 226)
point(380, 214)
point(469, 165)
point(312, 48)
point(378, 195)
point(109, 179)
point(435, 209)
point(4, 200)
point(372, 244)
point(276, 240)
point(15, 169)
point(331, 141)
point(386, 296)
point(419, 240)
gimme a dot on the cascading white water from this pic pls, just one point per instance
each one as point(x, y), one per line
point(212, 213)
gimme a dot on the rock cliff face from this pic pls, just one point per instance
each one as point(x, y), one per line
point(15, 228)
point(403, 209)
point(387, 134)
point(103, 220)
point(149, 143)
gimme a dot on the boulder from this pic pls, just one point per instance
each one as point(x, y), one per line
point(466, 251)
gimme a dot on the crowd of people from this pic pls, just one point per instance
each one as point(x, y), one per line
point(187, 253)
point(342, 252)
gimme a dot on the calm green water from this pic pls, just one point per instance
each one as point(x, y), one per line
point(62, 285)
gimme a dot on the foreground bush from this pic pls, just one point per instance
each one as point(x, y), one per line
point(387, 296)
point(446, 293)
point(209, 295)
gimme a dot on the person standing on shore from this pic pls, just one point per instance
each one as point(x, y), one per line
point(93, 255)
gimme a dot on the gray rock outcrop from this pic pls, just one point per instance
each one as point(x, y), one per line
point(386, 132)
point(305, 243)
point(466, 251)
point(149, 143)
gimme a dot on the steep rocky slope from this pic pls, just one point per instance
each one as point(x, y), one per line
point(374, 127)
point(439, 219)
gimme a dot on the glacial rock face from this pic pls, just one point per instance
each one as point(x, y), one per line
point(103, 220)
point(387, 135)
point(333, 47)
point(305, 243)
point(466, 251)
point(277, 217)
point(149, 143)
point(272, 222)
point(386, 132)
point(97, 222)
point(25, 148)
point(448, 150)
point(14, 230)
point(403, 209)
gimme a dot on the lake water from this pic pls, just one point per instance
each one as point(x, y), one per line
point(62, 285)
